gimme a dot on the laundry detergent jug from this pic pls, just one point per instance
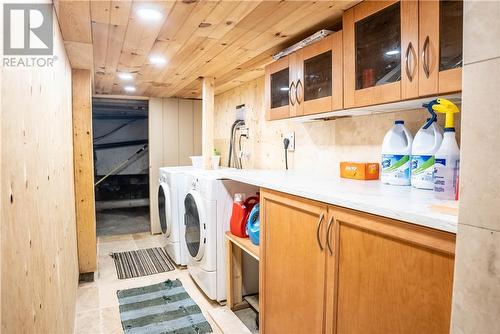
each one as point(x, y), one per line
point(239, 216)
point(253, 225)
point(396, 151)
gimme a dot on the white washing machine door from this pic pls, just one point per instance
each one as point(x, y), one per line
point(164, 209)
point(195, 222)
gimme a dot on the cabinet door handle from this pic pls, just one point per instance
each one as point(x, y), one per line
point(297, 89)
point(425, 57)
point(409, 51)
point(318, 236)
point(290, 95)
point(330, 224)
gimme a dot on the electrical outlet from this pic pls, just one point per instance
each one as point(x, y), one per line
point(291, 138)
point(245, 131)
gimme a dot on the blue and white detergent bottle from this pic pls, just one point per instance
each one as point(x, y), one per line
point(396, 151)
point(425, 145)
point(447, 164)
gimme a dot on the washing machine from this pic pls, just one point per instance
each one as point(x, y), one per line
point(208, 207)
point(171, 192)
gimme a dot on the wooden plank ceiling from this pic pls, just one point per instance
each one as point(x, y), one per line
point(230, 40)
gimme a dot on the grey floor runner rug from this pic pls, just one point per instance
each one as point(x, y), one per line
point(141, 262)
point(161, 308)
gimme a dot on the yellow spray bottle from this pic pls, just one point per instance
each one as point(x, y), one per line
point(447, 157)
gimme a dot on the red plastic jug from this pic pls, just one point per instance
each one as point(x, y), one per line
point(239, 217)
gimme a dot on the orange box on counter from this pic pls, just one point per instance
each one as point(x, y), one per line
point(359, 170)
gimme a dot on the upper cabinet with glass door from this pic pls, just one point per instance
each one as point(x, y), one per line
point(306, 82)
point(440, 46)
point(318, 76)
point(277, 89)
point(380, 52)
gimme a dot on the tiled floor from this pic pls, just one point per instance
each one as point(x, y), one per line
point(97, 304)
point(122, 221)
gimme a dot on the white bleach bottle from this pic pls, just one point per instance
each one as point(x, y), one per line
point(396, 151)
point(426, 143)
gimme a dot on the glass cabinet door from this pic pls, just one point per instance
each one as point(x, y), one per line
point(380, 52)
point(378, 48)
point(318, 76)
point(450, 34)
point(277, 89)
point(319, 82)
point(440, 46)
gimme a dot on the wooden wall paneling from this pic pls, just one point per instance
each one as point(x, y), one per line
point(140, 38)
point(155, 138)
point(108, 33)
point(84, 170)
point(74, 20)
point(170, 132)
point(272, 34)
point(198, 39)
point(222, 21)
point(166, 45)
point(80, 55)
point(252, 25)
point(189, 38)
point(186, 131)
point(197, 123)
point(208, 115)
point(39, 263)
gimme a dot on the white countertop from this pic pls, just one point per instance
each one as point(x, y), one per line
point(397, 202)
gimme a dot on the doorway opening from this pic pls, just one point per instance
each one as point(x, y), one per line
point(121, 165)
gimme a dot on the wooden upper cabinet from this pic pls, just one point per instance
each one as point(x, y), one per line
point(388, 276)
point(380, 52)
point(315, 80)
point(319, 76)
point(277, 89)
point(440, 47)
point(292, 264)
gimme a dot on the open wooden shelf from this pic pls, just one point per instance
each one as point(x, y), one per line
point(245, 244)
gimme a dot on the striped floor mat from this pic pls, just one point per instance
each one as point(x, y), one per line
point(141, 262)
point(161, 308)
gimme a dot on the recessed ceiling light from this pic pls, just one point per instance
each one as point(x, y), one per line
point(392, 52)
point(125, 76)
point(149, 14)
point(129, 88)
point(157, 60)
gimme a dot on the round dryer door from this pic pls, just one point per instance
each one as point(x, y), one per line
point(164, 209)
point(195, 227)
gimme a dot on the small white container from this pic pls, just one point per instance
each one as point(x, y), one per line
point(215, 161)
point(197, 161)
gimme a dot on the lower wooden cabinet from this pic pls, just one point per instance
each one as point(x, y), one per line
point(350, 272)
point(293, 280)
